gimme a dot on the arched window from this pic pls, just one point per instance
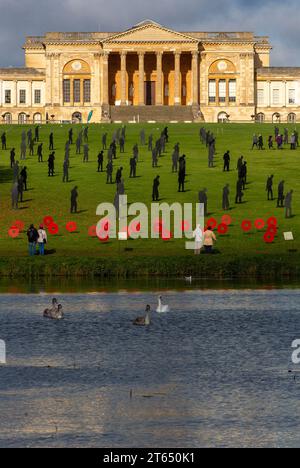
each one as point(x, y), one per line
point(292, 118)
point(222, 83)
point(37, 118)
point(276, 118)
point(77, 117)
point(22, 118)
point(7, 117)
point(260, 118)
point(223, 117)
point(76, 83)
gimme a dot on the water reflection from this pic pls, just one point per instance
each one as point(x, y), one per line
point(212, 372)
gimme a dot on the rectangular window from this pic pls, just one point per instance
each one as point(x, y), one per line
point(260, 97)
point(7, 96)
point(37, 96)
point(222, 91)
point(212, 90)
point(87, 91)
point(76, 90)
point(276, 96)
point(232, 90)
point(22, 96)
point(67, 91)
point(292, 96)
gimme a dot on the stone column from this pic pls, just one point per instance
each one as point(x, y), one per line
point(105, 95)
point(96, 80)
point(195, 86)
point(123, 79)
point(141, 78)
point(16, 94)
point(30, 94)
point(159, 83)
point(177, 80)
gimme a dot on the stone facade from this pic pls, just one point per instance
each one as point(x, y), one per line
point(220, 76)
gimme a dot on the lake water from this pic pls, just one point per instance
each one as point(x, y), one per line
point(211, 372)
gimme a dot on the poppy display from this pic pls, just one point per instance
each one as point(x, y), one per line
point(212, 223)
point(269, 237)
point(259, 224)
point(222, 228)
point(71, 226)
point(48, 220)
point(272, 221)
point(246, 225)
point(226, 219)
point(92, 232)
point(53, 229)
point(13, 232)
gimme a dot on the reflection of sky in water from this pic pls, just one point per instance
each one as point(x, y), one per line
point(213, 371)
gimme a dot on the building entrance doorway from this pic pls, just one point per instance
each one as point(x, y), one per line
point(150, 93)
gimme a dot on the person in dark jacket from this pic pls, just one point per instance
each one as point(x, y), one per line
point(74, 197)
point(226, 159)
point(32, 236)
point(155, 191)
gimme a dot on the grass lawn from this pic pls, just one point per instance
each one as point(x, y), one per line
point(50, 196)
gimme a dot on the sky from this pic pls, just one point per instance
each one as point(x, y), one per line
point(276, 18)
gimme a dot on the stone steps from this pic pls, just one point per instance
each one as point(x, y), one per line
point(151, 114)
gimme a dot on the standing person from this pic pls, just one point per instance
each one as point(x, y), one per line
point(150, 142)
point(239, 191)
point(3, 140)
point(31, 147)
point(37, 134)
point(74, 197)
point(42, 240)
point(154, 157)
point(166, 134)
point(243, 175)
point(100, 161)
point(119, 175)
point(203, 200)
point(23, 150)
point(143, 137)
point(269, 187)
point(254, 141)
point(14, 196)
point(66, 170)
point(136, 152)
point(24, 176)
point(51, 142)
point(240, 163)
point(133, 164)
point(86, 134)
point(260, 142)
point(225, 198)
point(32, 236)
point(270, 142)
point(78, 145)
point(293, 142)
point(122, 144)
point(20, 189)
point(104, 141)
point(279, 141)
point(226, 159)
point(40, 153)
point(288, 204)
point(86, 153)
point(182, 173)
point(198, 236)
point(209, 239)
point(109, 172)
point(51, 160)
point(12, 158)
point(16, 171)
point(71, 136)
point(280, 198)
point(175, 161)
point(155, 189)
point(211, 155)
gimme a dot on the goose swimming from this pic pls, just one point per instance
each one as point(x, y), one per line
point(145, 320)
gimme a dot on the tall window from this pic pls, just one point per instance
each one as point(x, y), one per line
point(37, 96)
point(67, 91)
point(292, 96)
point(7, 96)
point(212, 90)
point(22, 97)
point(76, 91)
point(87, 91)
point(260, 97)
point(276, 96)
point(222, 91)
point(232, 90)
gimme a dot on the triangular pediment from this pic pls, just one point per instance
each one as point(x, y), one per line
point(149, 31)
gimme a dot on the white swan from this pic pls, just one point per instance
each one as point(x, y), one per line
point(161, 307)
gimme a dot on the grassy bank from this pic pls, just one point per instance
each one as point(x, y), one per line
point(216, 266)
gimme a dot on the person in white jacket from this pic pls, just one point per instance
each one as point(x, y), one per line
point(42, 240)
point(198, 236)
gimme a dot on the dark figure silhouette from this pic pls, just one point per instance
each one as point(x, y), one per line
point(133, 164)
point(239, 191)
point(74, 197)
point(109, 172)
point(51, 141)
point(40, 152)
point(71, 136)
point(3, 140)
point(51, 160)
point(226, 159)
point(119, 175)
point(12, 157)
point(66, 170)
point(280, 198)
point(203, 200)
point(155, 190)
point(24, 177)
point(37, 134)
point(269, 187)
point(100, 161)
point(225, 198)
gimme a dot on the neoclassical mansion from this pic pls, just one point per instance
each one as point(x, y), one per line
point(149, 72)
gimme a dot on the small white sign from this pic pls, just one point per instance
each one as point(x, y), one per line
point(2, 352)
point(288, 236)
